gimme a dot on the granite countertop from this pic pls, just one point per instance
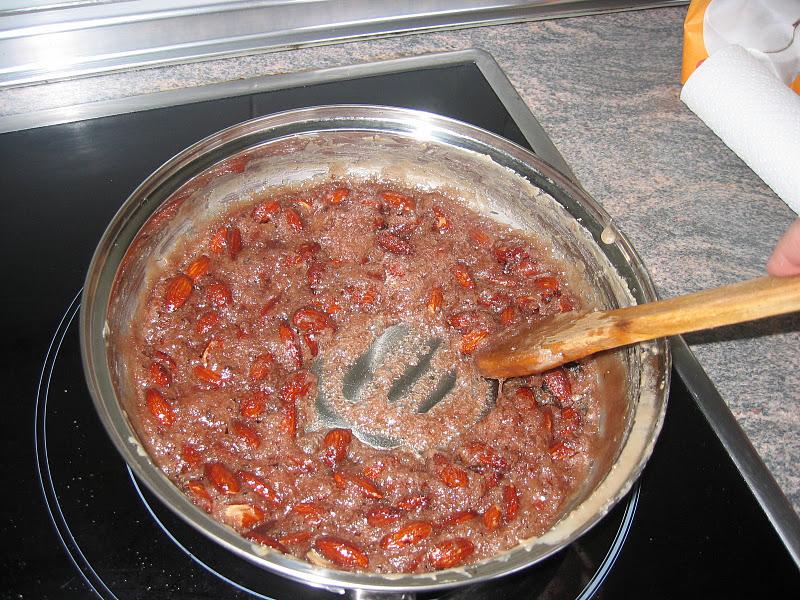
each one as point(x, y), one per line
point(606, 90)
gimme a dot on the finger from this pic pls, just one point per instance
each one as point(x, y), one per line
point(785, 259)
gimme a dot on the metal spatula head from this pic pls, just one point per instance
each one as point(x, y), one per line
point(406, 389)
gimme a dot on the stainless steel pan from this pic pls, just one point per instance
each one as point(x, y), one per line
point(494, 175)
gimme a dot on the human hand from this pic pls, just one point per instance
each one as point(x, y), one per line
point(785, 259)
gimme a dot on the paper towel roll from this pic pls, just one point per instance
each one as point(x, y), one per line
point(754, 113)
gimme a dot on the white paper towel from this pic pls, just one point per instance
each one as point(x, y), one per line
point(754, 113)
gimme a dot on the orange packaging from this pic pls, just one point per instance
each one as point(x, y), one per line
point(768, 29)
point(694, 50)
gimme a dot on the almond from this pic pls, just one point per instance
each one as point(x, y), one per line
point(341, 552)
point(198, 267)
point(159, 407)
point(450, 553)
point(409, 534)
point(177, 293)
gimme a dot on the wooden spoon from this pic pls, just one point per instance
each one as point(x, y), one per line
point(566, 337)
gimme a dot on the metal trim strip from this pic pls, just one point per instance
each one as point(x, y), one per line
point(79, 40)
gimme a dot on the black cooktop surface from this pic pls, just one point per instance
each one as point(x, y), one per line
point(76, 522)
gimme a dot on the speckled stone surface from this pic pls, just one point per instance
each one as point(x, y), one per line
point(606, 90)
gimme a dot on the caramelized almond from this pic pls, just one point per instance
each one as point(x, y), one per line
point(510, 503)
point(471, 340)
point(547, 283)
point(341, 552)
point(221, 478)
point(253, 405)
point(569, 414)
point(219, 241)
point(219, 295)
point(450, 553)
point(159, 375)
point(547, 421)
point(463, 320)
point(566, 303)
point(525, 398)
point(457, 518)
point(311, 344)
point(293, 219)
point(198, 267)
point(310, 511)
point(264, 212)
point(453, 476)
point(509, 254)
point(314, 273)
point(463, 276)
point(242, 516)
point(191, 455)
point(310, 320)
point(261, 366)
point(365, 297)
point(479, 236)
point(411, 533)
point(337, 196)
point(207, 376)
point(484, 454)
point(294, 388)
point(260, 487)
point(269, 305)
point(159, 407)
point(374, 470)
point(394, 269)
point(210, 347)
point(291, 391)
point(199, 493)
point(508, 316)
point(206, 322)
point(266, 540)
point(335, 446)
point(394, 244)
point(289, 341)
point(491, 479)
point(559, 451)
point(307, 250)
point(492, 517)
point(177, 293)
point(497, 301)
point(399, 201)
point(289, 422)
point(247, 433)
point(234, 241)
point(529, 268)
point(366, 486)
point(435, 299)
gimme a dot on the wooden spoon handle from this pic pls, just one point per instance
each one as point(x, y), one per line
point(569, 337)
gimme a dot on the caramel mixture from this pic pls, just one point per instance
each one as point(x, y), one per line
point(253, 322)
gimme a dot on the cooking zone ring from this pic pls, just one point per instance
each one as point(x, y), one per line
point(626, 279)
